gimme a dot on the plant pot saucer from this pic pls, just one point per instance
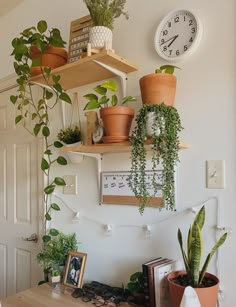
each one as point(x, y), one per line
point(114, 139)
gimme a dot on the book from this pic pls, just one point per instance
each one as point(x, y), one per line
point(146, 279)
point(160, 273)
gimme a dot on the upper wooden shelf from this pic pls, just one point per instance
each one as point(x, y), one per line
point(106, 148)
point(86, 70)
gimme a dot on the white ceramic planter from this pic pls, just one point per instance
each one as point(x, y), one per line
point(99, 35)
point(151, 129)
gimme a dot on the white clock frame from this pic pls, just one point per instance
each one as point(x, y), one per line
point(193, 46)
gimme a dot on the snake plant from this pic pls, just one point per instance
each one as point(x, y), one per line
point(192, 257)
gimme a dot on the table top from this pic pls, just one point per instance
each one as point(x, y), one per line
point(45, 296)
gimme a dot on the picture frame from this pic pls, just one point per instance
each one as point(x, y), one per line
point(74, 269)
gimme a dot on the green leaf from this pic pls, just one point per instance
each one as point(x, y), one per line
point(48, 152)
point(47, 71)
point(200, 217)
point(34, 115)
point(58, 144)
point(45, 131)
point(46, 238)
point(110, 85)
point(91, 97)
point(100, 90)
point(55, 207)
point(18, 119)
point(54, 232)
point(92, 104)
point(56, 78)
point(61, 160)
point(48, 217)
point(59, 181)
point(114, 100)
point(13, 99)
point(44, 164)
point(65, 97)
point(42, 26)
point(49, 95)
point(128, 99)
point(49, 189)
point(37, 128)
point(103, 100)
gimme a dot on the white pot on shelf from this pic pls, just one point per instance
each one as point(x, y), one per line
point(100, 36)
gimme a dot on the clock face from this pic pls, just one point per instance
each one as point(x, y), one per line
point(178, 35)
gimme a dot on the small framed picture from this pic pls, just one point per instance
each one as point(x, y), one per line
point(74, 269)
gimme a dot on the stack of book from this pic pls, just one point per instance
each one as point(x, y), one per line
point(155, 282)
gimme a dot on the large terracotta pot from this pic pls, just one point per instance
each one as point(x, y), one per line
point(207, 296)
point(117, 123)
point(158, 88)
point(53, 57)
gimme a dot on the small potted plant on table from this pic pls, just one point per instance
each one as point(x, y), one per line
point(205, 284)
point(116, 119)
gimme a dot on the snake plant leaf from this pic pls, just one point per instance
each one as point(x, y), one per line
point(200, 217)
point(196, 247)
point(209, 256)
point(189, 251)
point(186, 263)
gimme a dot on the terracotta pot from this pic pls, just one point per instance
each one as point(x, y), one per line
point(53, 57)
point(158, 88)
point(117, 123)
point(207, 296)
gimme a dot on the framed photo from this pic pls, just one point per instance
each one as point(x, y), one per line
point(74, 269)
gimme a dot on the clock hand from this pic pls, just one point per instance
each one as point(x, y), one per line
point(173, 40)
point(174, 37)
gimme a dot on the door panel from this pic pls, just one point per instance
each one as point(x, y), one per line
point(19, 202)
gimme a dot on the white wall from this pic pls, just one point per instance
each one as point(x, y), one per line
point(206, 102)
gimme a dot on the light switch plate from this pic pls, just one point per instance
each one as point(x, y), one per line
point(215, 174)
point(71, 184)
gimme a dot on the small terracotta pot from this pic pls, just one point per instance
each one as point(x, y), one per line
point(158, 88)
point(117, 122)
point(207, 296)
point(53, 57)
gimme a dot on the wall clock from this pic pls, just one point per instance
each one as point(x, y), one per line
point(178, 35)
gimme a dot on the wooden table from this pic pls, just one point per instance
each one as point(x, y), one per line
point(45, 296)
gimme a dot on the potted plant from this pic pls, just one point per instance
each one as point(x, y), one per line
point(165, 146)
point(70, 135)
point(52, 257)
point(116, 119)
point(103, 14)
point(160, 86)
point(42, 47)
point(136, 288)
point(205, 284)
point(33, 112)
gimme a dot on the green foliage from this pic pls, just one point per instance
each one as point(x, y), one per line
point(192, 258)
point(54, 252)
point(104, 12)
point(165, 147)
point(136, 283)
point(95, 102)
point(167, 69)
point(69, 135)
point(34, 112)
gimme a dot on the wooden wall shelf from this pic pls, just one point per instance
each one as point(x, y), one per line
point(106, 148)
point(87, 70)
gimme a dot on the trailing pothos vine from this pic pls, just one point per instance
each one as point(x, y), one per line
point(165, 146)
point(34, 113)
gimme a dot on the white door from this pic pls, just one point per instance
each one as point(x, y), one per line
point(20, 178)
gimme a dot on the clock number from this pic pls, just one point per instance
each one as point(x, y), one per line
point(177, 52)
point(170, 51)
point(165, 32)
point(190, 23)
point(169, 24)
point(165, 48)
point(185, 47)
point(162, 41)
point(176, 19)
point(193, 30)
point(191, 40)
